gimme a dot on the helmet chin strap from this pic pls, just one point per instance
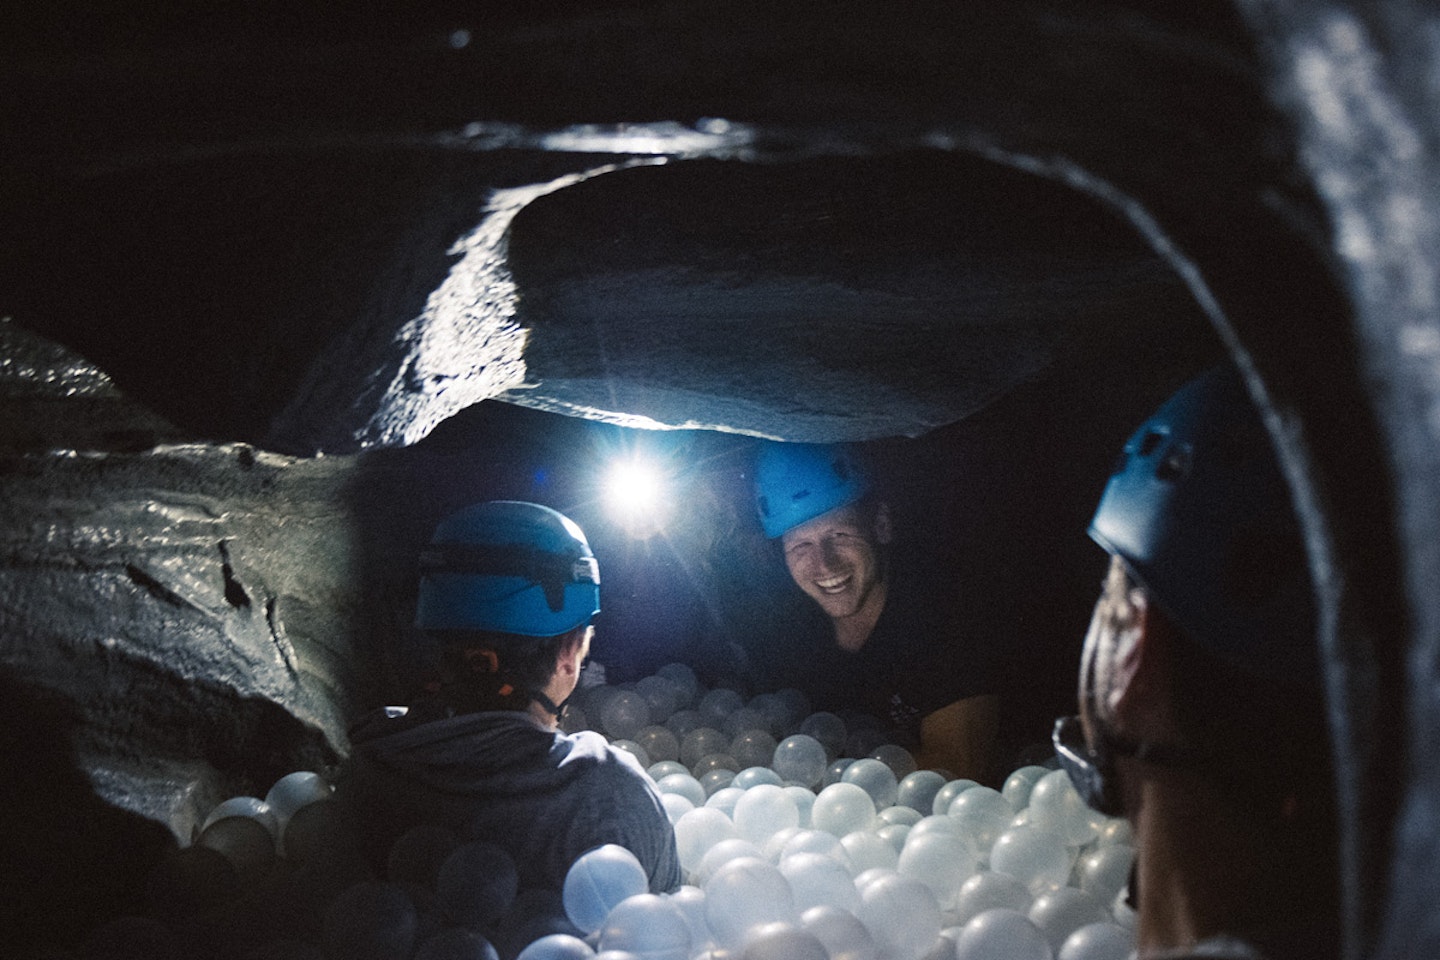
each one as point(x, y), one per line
point(556, 710)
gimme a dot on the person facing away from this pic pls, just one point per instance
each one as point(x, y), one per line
point(896, 648)
point(508, 589)
point(1202, 717)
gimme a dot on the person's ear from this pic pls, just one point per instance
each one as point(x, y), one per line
point(884, 530)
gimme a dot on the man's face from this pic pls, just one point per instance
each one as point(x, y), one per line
point(835, 559)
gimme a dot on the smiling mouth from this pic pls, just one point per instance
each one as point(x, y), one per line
point(833, 584)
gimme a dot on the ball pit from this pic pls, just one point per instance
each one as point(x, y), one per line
point(792, 845)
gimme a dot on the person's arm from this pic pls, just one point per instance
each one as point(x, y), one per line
point(960, 737)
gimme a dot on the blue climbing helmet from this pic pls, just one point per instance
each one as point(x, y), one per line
point(508, 566)
point(796, 482)
point(1197, 509)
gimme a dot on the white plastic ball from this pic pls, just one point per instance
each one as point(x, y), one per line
point(744, 894)
point(817, 881)
point(1060, 912)
point(701, 742)
point(835, 771)
point(875, 778)
point(1115, 830)
point(827, 728)
point(901, 914)
point(716, 780)
point(940, 861)
point(683, 722)
point(690, 901)
point(1019, 784)
point(1056, 806)
point(818, 841)
point(799, 759)
point(905, 816)
point(1037, 858)
point(724, 800)
point(659, 743)
point(764, 810)
point(664, 768)
point(755, 776)
point(869, 852)
point(946, 795)
point(981, 814)
point(746, 718)
point(897, 758)
point(684, 680)
point(647, 925)
point(753, 748)
point(894, 834)
point(987, 890)
point(1098, 941)
point(661, 695)
point(296, 790)
point(718, 704)
point(557, 946)
point(624, 714)
point(804, 800)
point(714, 761)
point(722, 853)
point(842, 808)
point(699, 830)
point(683, 784)
point(598, 881)
point(675, 806)
point(1001, 933)
point(917, 790)
point(784, 941)
point(252, 807)
point(1105, 871)
point(844, 936)
point(634, 749)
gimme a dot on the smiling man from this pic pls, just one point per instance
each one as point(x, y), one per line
point(897, 648)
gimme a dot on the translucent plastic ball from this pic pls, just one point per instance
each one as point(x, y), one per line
point(714, 761)
point(1060, 912)
point(661, 695)
point(746, 718)
point(1105, 871)
point(456, 943)
point(1001, 933)
point(476, 884)
point(797, 708)
point(1056, 806)
point(875, 778)
point(370, 921)
point(774, 849)
point(836, 770)
point(722, 853)
point(716, 780)
point(1098, 941)
point(1121, 910)
point(557, 946)
point(897, 758)
point(869, 852)
point(295, 790)
point(843, 808)
point(753, 748)
point(763, 811)
point(649, 926)
point(244, 842)
point(817, 841)
point(799, 759)
point(675, 806)
point(745, 894)
point(575, 719)
point(866, 734)
point(917, 790)
point(940, 861)
point(844, 936)
point(754, 776)
point(981, 814)
point(690, 901)
point(682, 722)
point(901, 914)
point(1037, 858)
point(1019, 784)
point(827, 728)
point(699, 830)
point(987, 890)
point(784, 941)
point(683, 784)
point(662, 769)
point(418, 853)
point(769, 706)
point(725, 798)
point(817, 881)
point(253, 807)
point(718, 704)
point(624, 714)
point(895, 834)
point(904, 816)
point(684, 680)
point(1115, 830)
point(701, 742)
point(659, 743)
point(598, 881)
point(935, 824)
point(946, 795)
point(634, 749)
point(804, 802)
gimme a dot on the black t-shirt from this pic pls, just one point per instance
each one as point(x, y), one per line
point(924, 653)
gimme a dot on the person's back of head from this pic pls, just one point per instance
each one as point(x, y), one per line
point(504, 587)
